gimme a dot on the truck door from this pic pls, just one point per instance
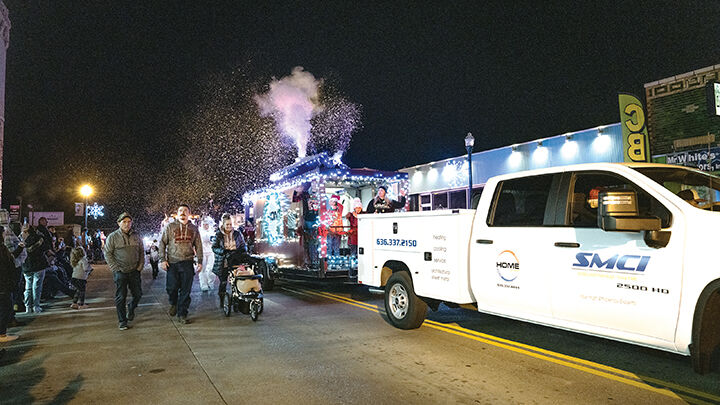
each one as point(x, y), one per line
point(509, 265)
point(615, 280)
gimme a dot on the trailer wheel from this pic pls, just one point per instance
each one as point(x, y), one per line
point(404, 309)
point(268, 283)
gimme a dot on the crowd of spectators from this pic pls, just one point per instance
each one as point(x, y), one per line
point(37, 265)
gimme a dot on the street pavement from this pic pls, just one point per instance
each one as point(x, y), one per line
point(322, 344)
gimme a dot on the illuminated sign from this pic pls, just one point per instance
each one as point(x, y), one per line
point(714, 98)
point(634, 128)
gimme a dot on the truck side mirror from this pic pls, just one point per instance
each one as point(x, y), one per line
point(618, 211)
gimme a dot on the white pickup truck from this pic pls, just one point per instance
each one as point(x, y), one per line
point(624, 251)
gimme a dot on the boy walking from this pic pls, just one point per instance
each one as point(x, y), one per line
point(179, 244)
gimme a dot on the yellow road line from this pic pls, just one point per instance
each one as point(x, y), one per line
point(583, 361)
point(543, 354)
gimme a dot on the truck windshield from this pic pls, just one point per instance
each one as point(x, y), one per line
point(701, 190)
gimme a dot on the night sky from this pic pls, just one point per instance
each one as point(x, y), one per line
point(89, 84)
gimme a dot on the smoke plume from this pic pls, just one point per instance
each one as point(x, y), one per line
point(292, 102)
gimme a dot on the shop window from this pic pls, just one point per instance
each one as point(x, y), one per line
point(414, 202)
point(439, 201)
point(425, 204)
point(458, 199)
point(521, 202)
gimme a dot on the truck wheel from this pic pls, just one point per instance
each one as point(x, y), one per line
point(706, 330)
point(404, 309)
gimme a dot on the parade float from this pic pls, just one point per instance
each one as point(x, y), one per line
point(293, 218)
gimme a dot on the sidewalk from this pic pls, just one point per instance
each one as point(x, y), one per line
point(68, 355)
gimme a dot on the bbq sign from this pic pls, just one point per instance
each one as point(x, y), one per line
point(634, 129)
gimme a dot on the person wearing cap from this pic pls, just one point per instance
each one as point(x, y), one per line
point(125, 254)
point(180, 243)
point(382, 203)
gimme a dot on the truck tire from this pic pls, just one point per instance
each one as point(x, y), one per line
point(404, 309)
point(706, 330)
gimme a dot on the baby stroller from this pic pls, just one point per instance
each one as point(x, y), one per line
point(244, 290)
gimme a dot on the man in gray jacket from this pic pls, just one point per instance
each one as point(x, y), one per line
point(179, 244)
point(125, 254)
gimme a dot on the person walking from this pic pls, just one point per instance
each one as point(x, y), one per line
point(34, 270)
point(227, 241)
point(125, 255)
point(206, 276)
point(154, 253)
point(81, 271)
point(179, 244)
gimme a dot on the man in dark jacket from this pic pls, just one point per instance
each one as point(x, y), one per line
point(34, 270)
point(125, 255)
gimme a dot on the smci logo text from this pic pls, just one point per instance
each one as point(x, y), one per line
point(587, 260)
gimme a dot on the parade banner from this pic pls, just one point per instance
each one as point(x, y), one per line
point(634, 129)
point(79, 209)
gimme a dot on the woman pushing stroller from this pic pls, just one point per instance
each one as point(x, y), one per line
point(229, 242)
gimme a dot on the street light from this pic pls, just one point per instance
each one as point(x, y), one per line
point(86, 191)
point(469, 143)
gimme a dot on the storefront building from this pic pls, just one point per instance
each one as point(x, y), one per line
point(684, 119)
point(444, 184)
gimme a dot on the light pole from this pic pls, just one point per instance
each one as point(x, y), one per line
point(469, 143)
point(86, 191)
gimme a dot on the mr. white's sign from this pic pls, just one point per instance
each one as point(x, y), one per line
point(703, 159)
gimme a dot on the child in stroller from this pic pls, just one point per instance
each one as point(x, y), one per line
point(244, 287)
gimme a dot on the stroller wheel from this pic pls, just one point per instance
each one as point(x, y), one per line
point(227, 303)
point(254, 310)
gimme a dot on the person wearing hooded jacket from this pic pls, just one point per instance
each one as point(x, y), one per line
point(180, 243)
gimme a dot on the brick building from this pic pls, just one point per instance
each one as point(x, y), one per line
point(680, 119)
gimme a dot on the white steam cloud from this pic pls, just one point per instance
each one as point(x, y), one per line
point(292, 101)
